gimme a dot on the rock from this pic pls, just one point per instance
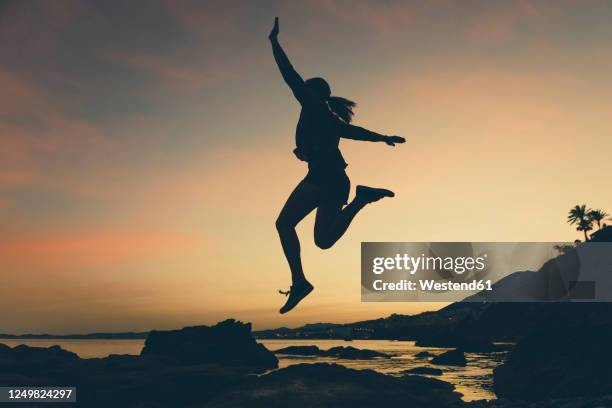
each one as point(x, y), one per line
point(300, 350)
point(332, 385)
point(25, 359)
point(558, 362)
point(423, 354)
point(352, 353)
point(453, 357)
point(423, 371)
point(229, 343)
point(347, 353)
point(135, 381)
point(602, 235)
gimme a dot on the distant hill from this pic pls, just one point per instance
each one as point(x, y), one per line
point(104, 336)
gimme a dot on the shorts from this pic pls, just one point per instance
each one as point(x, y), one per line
point(335, 183)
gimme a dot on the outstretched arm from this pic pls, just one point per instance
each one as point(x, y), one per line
point(291, 77)
point(358, 133)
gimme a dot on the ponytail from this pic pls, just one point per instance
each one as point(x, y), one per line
point(342, 107)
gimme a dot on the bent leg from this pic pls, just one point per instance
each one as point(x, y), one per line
point(332, 221)
point(303, 199)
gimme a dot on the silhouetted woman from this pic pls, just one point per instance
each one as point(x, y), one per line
point(324, 119)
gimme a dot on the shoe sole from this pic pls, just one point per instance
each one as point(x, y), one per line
point(383, 191)
point(300, 298)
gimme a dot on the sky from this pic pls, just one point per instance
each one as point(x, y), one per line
point(146, 148)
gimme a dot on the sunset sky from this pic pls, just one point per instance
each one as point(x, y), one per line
point(146, 147)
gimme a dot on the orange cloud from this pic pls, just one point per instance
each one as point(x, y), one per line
point(94, 248)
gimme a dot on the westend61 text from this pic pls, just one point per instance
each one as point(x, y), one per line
point(431, 285)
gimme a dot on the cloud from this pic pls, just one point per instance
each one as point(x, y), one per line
point(382, 17)
point(93, 248)
point(16, 165)
point(34, 132)
point(482, 23)
point(176, 74)
point(35, 26)
point(508, 21)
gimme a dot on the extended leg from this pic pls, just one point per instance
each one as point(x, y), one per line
point(300, 203)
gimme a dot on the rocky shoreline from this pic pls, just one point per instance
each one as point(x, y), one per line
point(223, 366)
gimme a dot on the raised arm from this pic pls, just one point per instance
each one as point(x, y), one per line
point(291, 77)
point(358, 133)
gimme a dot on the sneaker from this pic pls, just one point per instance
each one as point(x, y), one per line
point(371, 194)
point(296, 293)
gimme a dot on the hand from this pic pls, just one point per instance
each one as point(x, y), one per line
point(274, 33)
point(392, 140)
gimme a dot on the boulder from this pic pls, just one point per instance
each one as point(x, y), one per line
point(453, 357)
point(423, 371)
point(229, 343)
point(352, 353)
point(558, 362)
point(347, 353)
point(25, 359)
point(300, 350)
point(602, 235)
point(332, 385)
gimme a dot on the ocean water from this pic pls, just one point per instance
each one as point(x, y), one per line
point(473, 381)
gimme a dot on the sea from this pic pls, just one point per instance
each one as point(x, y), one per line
point(474, 380)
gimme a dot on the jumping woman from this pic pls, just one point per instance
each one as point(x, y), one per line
point(324, 119)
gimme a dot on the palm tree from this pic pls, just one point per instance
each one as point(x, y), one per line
point(580, 215)
point(585, 225)
point(597, 216)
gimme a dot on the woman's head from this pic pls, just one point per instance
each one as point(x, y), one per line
point(319, 87)
point(340, 106)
